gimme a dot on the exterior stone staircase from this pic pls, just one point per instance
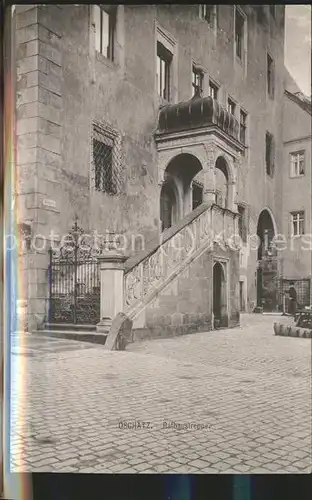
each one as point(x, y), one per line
point(167, 288)
point(151, 274)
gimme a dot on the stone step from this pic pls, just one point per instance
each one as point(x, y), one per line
point(84, 336)
point(70, 326)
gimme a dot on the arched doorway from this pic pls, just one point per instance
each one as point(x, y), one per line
point(222, 182)
point(176, 196)
point(266, 263)
point(219, 301)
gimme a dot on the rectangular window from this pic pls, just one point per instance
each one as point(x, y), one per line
point(105, 27)
point(209, 14)
point(239, 34)
point(105, 161)
point(297, 164)
point(242, 227)
point(297, 223)
point(164, 59)
point(213, 90)
point(269, 154)
point(197, 81)
point(231, 106)
point(270, 76)
point(242, 126)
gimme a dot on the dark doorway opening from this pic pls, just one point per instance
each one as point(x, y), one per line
point(167, 205)
point(197, 194)
point(219, 297)
point(241, 297)
point(267, 290)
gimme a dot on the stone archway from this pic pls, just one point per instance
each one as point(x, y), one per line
point(266, 263)
point(177, 187)
point(219, 298)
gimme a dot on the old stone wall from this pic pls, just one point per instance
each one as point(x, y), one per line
point(64, 84)
point(39, 132)
point(185, 305)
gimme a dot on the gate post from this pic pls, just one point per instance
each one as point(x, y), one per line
point(112, 289)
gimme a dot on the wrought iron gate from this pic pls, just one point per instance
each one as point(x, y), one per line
point(74, 281)
point(302, 287)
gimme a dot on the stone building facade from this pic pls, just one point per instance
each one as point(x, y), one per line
point(118, 82)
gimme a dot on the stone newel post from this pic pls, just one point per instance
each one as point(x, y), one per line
point(112, 288)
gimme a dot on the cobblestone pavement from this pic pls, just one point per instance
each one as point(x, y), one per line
point(250, 389)
point(30, 345)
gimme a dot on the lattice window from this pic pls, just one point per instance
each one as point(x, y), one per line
point(106, 159)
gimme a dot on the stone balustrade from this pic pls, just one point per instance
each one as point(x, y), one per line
point(209, 224)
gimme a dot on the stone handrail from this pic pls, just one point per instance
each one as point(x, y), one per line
point(151, 270)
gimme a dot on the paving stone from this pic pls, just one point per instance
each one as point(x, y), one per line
point(66, 401)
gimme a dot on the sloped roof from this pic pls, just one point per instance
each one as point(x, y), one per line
point(301, 100)
point(294, 93)
point(290, 83)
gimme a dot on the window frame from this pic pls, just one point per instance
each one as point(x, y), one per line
point(211, 20)
point(105, 134)
point(297, 213)
point(238, 12)
point(212, 84)
point(165, 57)
point(111, 12)
point(197, 71)
point(243, 124)
point(269, 155)
point(164, 38)
point(270, 76)
point(242, 222)
point(230, 102)
point(292, 174)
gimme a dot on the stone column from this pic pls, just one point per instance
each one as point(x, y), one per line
point(209, 175)
point(112, 289)
point(231, 196)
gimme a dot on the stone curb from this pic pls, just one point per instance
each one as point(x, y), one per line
point(79, 336)
point(291, 331)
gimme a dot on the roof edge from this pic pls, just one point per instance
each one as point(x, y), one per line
point(305, 105)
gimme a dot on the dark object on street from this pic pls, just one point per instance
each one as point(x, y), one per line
point(119, 334)
point(292, 306)
point(304, 319)
point(258, 310)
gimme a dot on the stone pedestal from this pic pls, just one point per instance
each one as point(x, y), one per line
point(112, 289)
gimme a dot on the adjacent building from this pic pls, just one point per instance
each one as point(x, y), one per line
point(297, 191)
point(150, 122)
